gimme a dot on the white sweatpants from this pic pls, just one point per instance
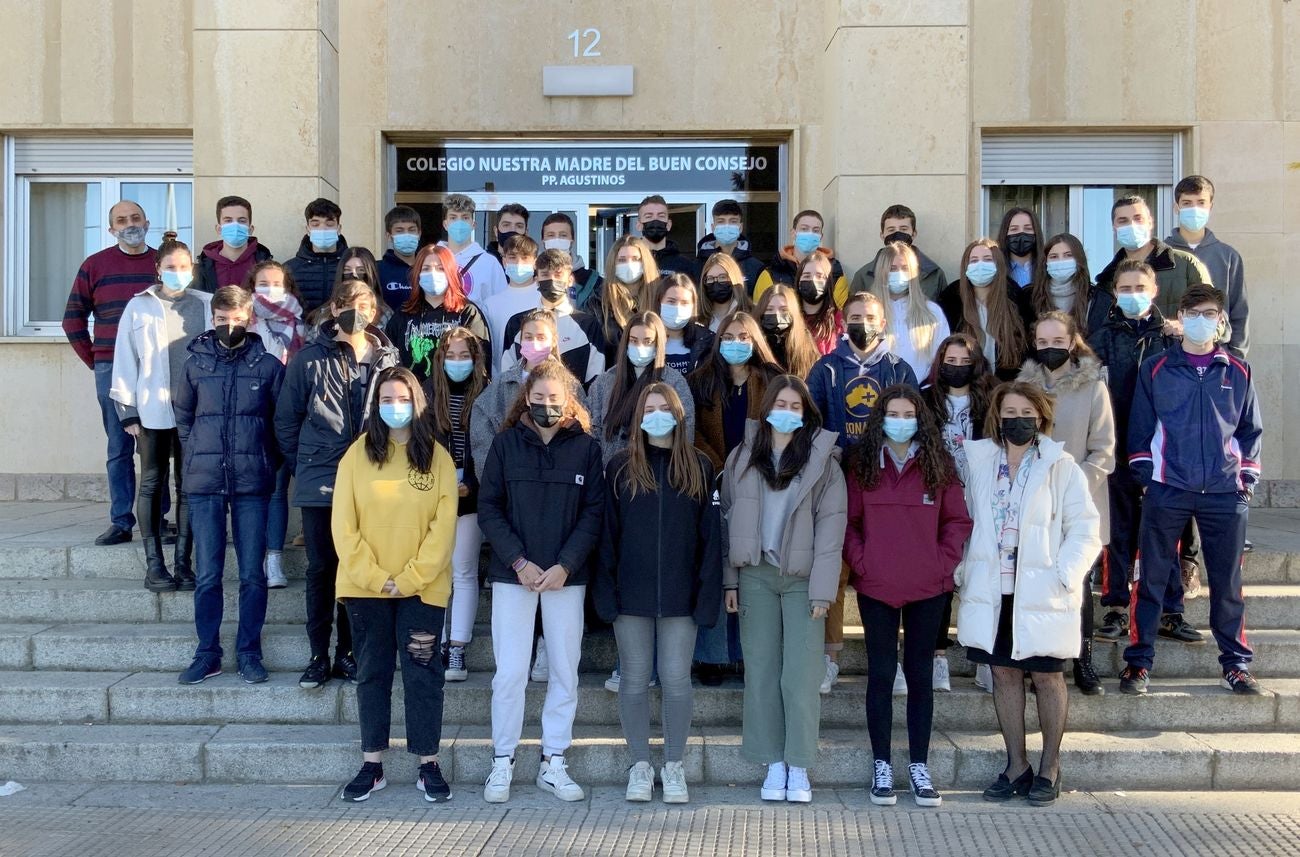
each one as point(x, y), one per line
point(464, 579)
point(514, 609)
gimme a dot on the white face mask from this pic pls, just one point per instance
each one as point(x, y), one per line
point(563, 244)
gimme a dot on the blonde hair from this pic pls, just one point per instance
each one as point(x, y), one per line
point(921, 322)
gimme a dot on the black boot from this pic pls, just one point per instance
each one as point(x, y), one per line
point(1085, 677)
point(183, 556)
point(156, 578)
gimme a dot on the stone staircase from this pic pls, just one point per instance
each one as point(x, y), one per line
point(89, 658)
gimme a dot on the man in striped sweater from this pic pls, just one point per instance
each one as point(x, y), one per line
point(104, 284)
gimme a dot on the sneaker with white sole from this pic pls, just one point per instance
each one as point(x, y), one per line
point(497, 787)
point(900, 682)
point(984, 677)
point(368, 780)
point(882, 784)
point(640, 782)
point(942, 676)
point(797, 787)
point(612, 684)
point(832, 675)
point(774, 786)
point(541, 666)
point(923, 790)
point(553, 776)
point(455, 664)
point(673, 777)
point(274, 567)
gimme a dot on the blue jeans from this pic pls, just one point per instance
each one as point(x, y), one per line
point(277, 510)
point(121, 452)
point(208, 523)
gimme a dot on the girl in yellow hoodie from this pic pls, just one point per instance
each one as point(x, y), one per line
point(394, 523)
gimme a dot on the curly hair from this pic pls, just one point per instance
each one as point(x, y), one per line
point(551, 369)
point(937, 468)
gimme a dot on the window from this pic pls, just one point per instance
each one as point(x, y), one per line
point(61, 190)
point(1071, 180)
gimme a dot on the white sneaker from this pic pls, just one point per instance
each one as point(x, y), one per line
point(797, 788)
point(673, 776)
point(274, 568)
point(900, 682)
point(832, 675)
point(497, 787)
point(456, 670)
point(541, 666)
point(553, 777)
point(774, 785)
point(984, 677)
point(640, 782)
point(612, 684)
point(942, 676)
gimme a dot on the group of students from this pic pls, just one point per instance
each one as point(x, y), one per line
point(703, 453)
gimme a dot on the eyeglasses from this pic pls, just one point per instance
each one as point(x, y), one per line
point(718, 282)
point(1208, 314)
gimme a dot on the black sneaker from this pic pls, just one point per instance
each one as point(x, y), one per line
point(923, 790)
point(317, 672)
point(882, 784)
point(251, 670)
point(431, 782)
point(710, 675)
point(1134, 680)
point(369, 779)
point(1114, 627)
point(1240, 682)
point(114, 535)
point(345, 667)
point(200, 670)
point(1173, 627)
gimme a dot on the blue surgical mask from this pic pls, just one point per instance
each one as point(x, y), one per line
point(460, 231)
point(1199, 330)
point(1193, 219)
point(900, 429)
point(641, 355)
point(325, 239)
point(726, 233)
point(784, 421)
point(675, 316)
point(234, 234)
point(406, 243)
point(658, 423)
point(1133, 235)
point(981, 273)
point(1061, 270)
point(458, 370)
point(519, 273)
point(433, 282)
point(736, 352)
point(899, 282)
point(807, 242)
point(1134, 305)
point(396, 414)
point(177, 280)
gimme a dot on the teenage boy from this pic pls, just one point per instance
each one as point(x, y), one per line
point(653, 221)
point(520, 254)
point(1176, 270)
point(480, 272)
point(1193, 201)
point(558, 234)
point(727, 235)
point(806, 235)
point(1134, 331)
point(582, 344)
point(402, 226)
point(105, 282)
point(226, 262)
point(319, 252)
point(898, 223)
point(1195, 440)
point(512, 219)
point(225, 409)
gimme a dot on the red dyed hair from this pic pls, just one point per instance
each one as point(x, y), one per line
point(454, 298)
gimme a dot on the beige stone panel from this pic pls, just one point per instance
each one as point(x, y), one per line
point(1290, 60)
point(161, 83)
point(1266, 285)
point(257, 97)
point(259, 14)
point(1245, 162)
point(888, 13)
point(88, 55)
point(363, 112)
point(25, 79)
point(887, 117)
point(277, 208)
point(1291, 176)
point(1238, 58)
point(999, 57)
point(41, 377)
point(328, 103)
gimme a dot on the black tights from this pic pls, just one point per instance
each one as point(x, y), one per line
point(920, 621)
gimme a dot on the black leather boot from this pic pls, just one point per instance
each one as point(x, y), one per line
point(1085, 677)
point(156, 578)
point(183, 556)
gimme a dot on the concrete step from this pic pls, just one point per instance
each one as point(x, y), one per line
point(1171, 760)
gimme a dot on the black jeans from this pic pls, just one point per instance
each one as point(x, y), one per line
point(322, 567)
point(385, 629)
point(160, 449)
point(920, 621)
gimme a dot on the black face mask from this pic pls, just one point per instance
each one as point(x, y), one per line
point(231, 335)
point(503, 237)
point(654, 231)
point(861, 335)
point(545, 416)
point(351, 322)
point(1052, 358)
point(956, 376)
point(1021, 244)
point(776, 323)
point(719, 291)
point(552, 290)
point(898, 236)
point(1019, 431)
point(812, 290)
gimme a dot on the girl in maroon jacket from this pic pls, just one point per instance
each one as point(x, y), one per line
point(907, 525)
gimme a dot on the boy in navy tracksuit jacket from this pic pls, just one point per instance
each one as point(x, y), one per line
point(1195, 436)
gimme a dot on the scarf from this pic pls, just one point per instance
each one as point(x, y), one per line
point(282, 321)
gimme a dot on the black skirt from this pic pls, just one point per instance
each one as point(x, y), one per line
point(1001, 654)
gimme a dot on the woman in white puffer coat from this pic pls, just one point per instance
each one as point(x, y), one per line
point(1022, 579)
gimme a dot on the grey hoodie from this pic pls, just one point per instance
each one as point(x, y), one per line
point(1228, 274)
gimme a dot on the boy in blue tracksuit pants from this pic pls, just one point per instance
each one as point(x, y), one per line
point(1195, 437)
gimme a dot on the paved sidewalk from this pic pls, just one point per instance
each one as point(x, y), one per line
point(86, 820)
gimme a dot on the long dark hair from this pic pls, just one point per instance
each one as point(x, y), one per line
point(937, 468)
point(1004, 323)
point(627, 384)
point(419, 449)
point(712, 377)
point(800, 350)
point(440, 385)
point(822, 324)
point(685, 472)
point(1038, 234)
point(982, 381)
point(1041, 294)
point(796, 454)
